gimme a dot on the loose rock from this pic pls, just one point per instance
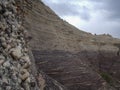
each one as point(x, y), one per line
point(16, 53)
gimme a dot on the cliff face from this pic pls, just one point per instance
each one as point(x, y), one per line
point(17, 65)
point(70, 58)
point(76, 59)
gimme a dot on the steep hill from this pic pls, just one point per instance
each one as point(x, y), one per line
point(76, 59)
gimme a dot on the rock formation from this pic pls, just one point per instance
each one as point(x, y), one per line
point(14, 57)
point(17, 65)
point(76, 59)
point(64, 58)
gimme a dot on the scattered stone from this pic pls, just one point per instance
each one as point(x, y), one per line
point(16, 53)
point(28, 80)
point(24, 74)
point(14, 72)
point(6, 64)
point(27, 60)
point(2, 57)
point(2, 61)
point(4, 44)
point(5, 80)
point(8, 47)
point(2, 39)
point(7, 13)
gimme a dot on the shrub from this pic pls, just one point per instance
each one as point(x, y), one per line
point(106, 77)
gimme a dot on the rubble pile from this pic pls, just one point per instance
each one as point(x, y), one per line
point(14, 59)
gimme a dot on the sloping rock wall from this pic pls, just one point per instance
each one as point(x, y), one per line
point(78, 60)
point(17, 66)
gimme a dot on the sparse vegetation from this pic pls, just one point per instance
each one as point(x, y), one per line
point(106, 77)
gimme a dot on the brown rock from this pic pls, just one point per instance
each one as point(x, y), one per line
point(6, 64)
point(16, 53)
point(24, 74)
point(1, 61)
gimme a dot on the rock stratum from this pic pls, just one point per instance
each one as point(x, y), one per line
point(40, 51)
point(17, 65)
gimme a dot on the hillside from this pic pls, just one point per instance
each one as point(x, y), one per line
point(76, 59)
point(40, 51)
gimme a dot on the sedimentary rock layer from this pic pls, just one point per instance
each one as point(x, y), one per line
point(17, 65)
point(77, 59)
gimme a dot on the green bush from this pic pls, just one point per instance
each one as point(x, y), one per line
point(106, 77)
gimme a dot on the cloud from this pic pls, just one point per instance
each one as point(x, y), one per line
point(64, 7)
point(110, 8)
point(113, 7)
point(68, 8)
point(95, 16)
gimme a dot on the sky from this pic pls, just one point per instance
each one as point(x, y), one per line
point(94, 16)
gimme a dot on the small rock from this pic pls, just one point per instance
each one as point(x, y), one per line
point(8, 88)
point(26, 66)
point(19, 81)
point(2, 26)
point(2, 61)
point(27, 80)
point(25, 50)
point(4, 44)
point(7, 13)
point(27, 60)
point(5, 80)
point(32, 84)
point(2, 39)
point(16, 52)
point(2, 57)
point(24, 74)
point(6, 64)
point(8, 47)
point(26, 86)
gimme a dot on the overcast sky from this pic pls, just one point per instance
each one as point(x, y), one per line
point(95, 16)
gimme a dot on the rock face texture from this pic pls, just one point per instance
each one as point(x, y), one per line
point(17, 65)
point(14, 57)
point(60, 56)
point(76, 59)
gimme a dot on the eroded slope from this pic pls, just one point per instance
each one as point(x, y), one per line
point(77, 59)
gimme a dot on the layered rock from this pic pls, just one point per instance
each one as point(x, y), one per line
point(17, 65)
point(77, 59)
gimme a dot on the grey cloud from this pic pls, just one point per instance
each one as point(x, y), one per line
point(67, 8)
point(108, 9)
point(112, 8)
point(116, 32)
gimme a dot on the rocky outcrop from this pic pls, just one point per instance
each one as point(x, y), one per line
point(77, 59)
point(14, 58)
point(17, 65)
point(70, 58)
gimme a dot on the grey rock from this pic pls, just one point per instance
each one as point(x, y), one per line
point(24, 74)
point(16, 52)
point(7, 64)
point(1, 61)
